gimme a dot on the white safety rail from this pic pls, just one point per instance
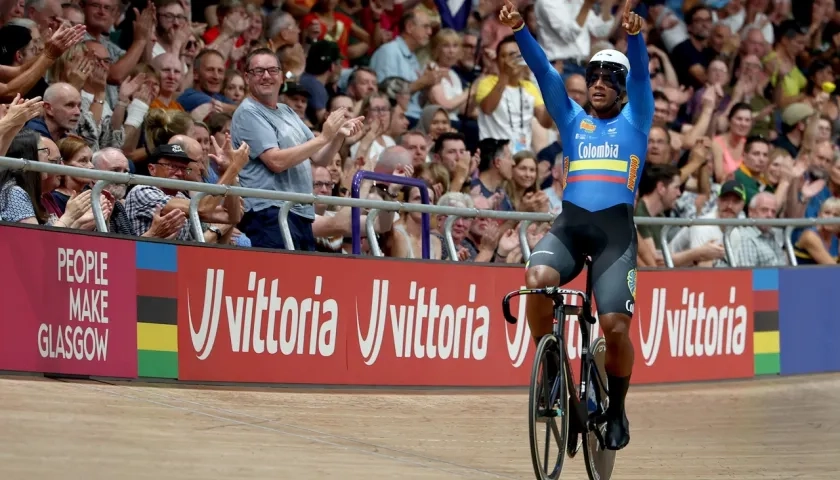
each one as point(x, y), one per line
point(105, 178)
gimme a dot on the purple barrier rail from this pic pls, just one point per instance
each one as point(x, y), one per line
point(356, 220)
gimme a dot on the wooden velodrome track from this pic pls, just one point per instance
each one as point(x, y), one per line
point(778, 428)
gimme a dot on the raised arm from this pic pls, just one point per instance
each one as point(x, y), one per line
point(557, 100)
point(639, 91)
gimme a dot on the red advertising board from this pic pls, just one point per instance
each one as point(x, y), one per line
point(69, 304)
point(248, 316)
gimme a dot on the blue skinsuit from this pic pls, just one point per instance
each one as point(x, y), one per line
point(603, 158)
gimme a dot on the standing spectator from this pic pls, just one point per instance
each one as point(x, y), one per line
point(692, 57)
point(760, 246)
point(337, 27)
point(283, 150)
point(398, 58)
point(173, 28)
point(509, 100)
point(323, 66)
point(567, 29)
point(283, 30)
point(100, 16)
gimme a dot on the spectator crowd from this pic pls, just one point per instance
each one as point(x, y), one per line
point(299, 95)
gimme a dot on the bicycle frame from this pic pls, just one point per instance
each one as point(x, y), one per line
point(585, 322)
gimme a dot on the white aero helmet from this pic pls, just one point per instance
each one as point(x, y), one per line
point(613, 61)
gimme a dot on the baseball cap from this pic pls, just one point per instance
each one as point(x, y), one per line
point(733, 187)
point(795, 113)
point(294, 88)
point(12, 39)
point(322, 54)
point(171, 152)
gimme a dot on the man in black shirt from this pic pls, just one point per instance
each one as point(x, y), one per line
point(691, 57)
point(794, 121)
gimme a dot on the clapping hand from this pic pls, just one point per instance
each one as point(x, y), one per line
point(21, 111)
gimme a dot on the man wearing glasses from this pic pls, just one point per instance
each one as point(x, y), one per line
point(144, 202)
point(283, 152)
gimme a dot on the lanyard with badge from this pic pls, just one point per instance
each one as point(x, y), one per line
point(521, 142)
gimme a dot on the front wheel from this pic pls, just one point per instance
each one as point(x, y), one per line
point(599, 461)
point(548, 420)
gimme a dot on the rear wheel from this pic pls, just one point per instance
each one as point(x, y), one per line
point(548, 409)
point(599, 461)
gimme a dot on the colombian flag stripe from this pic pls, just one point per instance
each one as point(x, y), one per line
point(611, 165)
point(596, 178)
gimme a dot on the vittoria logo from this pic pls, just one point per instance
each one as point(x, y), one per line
point(633, 172)
point(587, 126)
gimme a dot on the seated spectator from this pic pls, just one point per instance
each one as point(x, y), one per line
point(18, 191)
point(794, 123)
point(170, 69)
point(62, 111)
point(751, 173)
point(206, 96)
point(494, 168)
point(233, 86)
point(415, 142)
point(522, 187)
point(113, 160)
point(437, 176)
point(554, 193)
point(759, 246)
point(434, 122)
point(283, 152)
point(74, 152)
point(467, 250)
point(450, 150)
point(729, 147)
point(702, 245)
point(144, 201)
point(224, 232)
point(819, 245)
point(377, 112)
point(659, 189)
point(405, 239)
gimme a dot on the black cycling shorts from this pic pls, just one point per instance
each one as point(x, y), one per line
point(609, 237)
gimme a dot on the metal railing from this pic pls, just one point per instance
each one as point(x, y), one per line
point(105, 178)
point(356, 214)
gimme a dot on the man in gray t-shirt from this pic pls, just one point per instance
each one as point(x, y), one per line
point(282, 150)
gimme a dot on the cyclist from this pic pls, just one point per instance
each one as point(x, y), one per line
point(604, 152)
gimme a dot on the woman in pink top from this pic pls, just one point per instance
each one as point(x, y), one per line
point(729, 147)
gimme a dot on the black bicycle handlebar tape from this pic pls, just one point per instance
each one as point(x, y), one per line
point(506, 307)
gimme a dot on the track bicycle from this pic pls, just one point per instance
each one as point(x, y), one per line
point(567, 411)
